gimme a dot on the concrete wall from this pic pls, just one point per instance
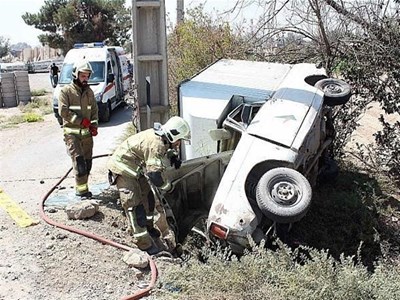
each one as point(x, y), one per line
point(39, 53)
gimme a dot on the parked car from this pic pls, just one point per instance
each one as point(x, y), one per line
point(274, 140)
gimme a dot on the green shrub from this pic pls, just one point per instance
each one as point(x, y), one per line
point(303, 273)
point(41, 104)
point(40, 92)
point(32, 117)
point(16, 119)
point(349, 250)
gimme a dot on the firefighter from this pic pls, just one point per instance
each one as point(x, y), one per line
point(78, 109)
point(141, 158)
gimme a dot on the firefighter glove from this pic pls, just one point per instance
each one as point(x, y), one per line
point(176, 162)
point(85, 123)
point(156, 178)
point(93, 130)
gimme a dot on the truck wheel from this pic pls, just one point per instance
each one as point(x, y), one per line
point(283, 195)
point(104, 112)
point(336, 91)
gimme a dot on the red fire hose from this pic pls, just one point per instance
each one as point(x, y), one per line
point(138, 294)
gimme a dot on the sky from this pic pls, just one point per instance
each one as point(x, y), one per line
point(13, 27)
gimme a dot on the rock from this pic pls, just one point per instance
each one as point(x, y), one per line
point(82, 210)
point(136, 258)
point(50, 246)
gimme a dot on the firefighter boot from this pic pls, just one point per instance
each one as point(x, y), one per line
point(137, 220)
point(154, 232)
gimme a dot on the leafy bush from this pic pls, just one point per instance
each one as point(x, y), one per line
point(349, 246)
point(40, 104)
point(41, 92)
point(15, 119)
point(198, 42)
point(302, 273)
point(32, 117)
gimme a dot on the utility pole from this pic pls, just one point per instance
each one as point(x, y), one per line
point(150, 62)
point(180, 11)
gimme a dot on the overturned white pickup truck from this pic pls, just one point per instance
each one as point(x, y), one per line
point(260, 140)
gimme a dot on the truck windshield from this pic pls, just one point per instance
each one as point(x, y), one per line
point(97, 76)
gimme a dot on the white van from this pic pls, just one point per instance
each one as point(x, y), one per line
point(110, 80)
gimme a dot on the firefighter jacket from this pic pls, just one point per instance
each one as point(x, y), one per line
point(142, 152)
point(74, 104)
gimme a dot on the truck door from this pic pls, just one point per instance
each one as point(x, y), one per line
point(116, 70)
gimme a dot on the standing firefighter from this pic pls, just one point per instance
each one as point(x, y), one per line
point(78, 108)
point(138, 159)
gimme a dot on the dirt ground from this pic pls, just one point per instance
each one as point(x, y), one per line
point(45, 262)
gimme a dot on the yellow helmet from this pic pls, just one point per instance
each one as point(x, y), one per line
point(176, 129)
point(81, 66)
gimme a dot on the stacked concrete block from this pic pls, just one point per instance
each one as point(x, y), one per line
point(8, 90)
point(15, 89)
point(22, 88)
point(1, 96)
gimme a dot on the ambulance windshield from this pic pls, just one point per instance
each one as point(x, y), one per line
point(97, 76)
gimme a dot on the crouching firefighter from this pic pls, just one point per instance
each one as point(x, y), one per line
point(78, 108)
point(137, 160)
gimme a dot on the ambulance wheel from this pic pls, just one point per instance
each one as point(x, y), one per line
point(104, 112)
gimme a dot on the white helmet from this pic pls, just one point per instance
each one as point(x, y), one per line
point(81, 66)
point(175, 129)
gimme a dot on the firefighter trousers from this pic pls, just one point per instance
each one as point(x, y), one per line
point(143, 211)
point(80, 149)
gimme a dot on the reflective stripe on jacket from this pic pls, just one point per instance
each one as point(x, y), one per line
point(77, 131)
point(144, 150)
point(76, 103)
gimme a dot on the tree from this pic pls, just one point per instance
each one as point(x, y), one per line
point(198, 42)
point(4, 46)
point(369, 59)
point(67, 22)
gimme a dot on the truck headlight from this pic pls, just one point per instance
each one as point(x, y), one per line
point(98, 97)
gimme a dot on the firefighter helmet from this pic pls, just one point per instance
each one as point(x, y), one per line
point(176, 129)
point(81, 66)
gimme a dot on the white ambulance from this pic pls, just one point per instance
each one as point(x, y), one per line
point(110, 80)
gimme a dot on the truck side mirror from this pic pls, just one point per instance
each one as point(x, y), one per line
point(110, 78)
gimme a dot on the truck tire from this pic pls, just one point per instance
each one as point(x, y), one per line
point(283, 195)
point(336, 91)
point(104, 112)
